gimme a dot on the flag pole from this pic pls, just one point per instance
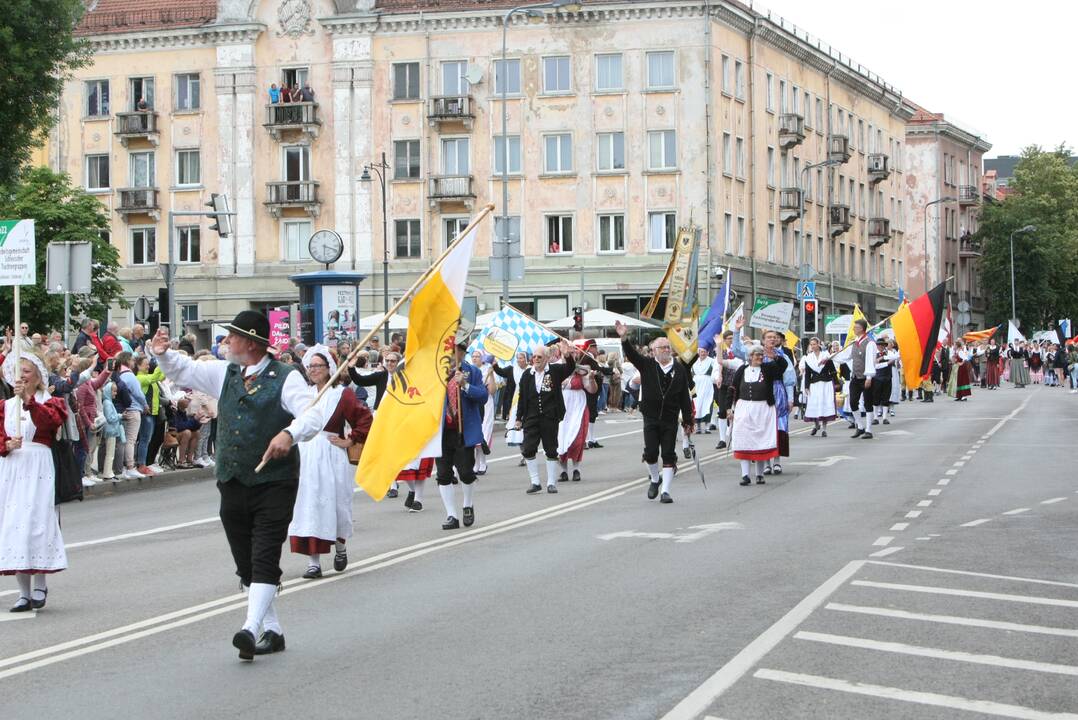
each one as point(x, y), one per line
point(18, 360)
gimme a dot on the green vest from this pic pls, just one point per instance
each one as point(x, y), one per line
point(247, 419)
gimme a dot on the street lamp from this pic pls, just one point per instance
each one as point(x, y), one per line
point(380, 168)
point(801, 230)
point(948, 198)
point(1019, 231)
point(532, 11)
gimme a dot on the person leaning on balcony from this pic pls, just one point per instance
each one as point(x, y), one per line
point(285, 93)
point(307, 94)
point(141, 105)
point(274, 94)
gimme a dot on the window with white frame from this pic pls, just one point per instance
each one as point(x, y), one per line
point(454, 81)
point(662, 231)
point(610, 153)
point(406, 81)
point(190, 240)
point(189, 312)
point(786, 255)
point(558, 153)
point(408, 243)
point(142, 172)
point(808, 110)
point(451, 227)
point(188, 167)
point(295, 76)
point(770, 92)
point(728, 233)
point(727, 154)
point(559, 234)
point(297, 236)
point(556, 75)
point(188, 91)
point(507, 79)
point(97, 98)
point(819, 115)
point(739, 80)
point(771, 166)
point(296, 161)
point(406, 165)
point(660, 70)
point(727, 78)
point(771, 242)
point(782, 96)
point(741, 157)
point(662, 150)
point(141, 88)
point(514, 154)
point(609, 75)
point(97, 172)
point(612, 233)
point(819, 186)
point(455, 156)
point(795, 99)
point(143, 246)
point(741, 236)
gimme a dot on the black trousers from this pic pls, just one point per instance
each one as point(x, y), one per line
point(256, 521)
point(660, 438)
point(857, 391)
point(455, 455)
point(156, 439)
point(543, 430)
point(507, 401)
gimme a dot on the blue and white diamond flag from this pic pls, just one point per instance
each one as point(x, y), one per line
point(510, 332)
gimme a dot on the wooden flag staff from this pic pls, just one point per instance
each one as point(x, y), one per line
point(18, 361)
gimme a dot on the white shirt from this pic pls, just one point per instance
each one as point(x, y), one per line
point(539, 375)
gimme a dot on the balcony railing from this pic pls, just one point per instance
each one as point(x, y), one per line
point(789, 204)
point(137, 201)
point(791, 129)
point(135, 125)
point(302, 116)
point(839, 217)
point(450, 188)
point(969, 195)
point(451, 108)
point(879, 231)
point(969, 248)
point(838, 148)
point(293, 194)
point(879, 167)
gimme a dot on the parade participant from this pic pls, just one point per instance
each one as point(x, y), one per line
point(818, 378)
point(755, 416)
point(415, 475)
point(540, 410)
point(664, 394)
point(774, 340)
point(1019, 372)
point(1059, 363)
point(380, 380)
point(962, 372)
point(510, 375)
point(861, 357)
point(31, 546)
point(462, 431)
point(514, 436)
point(1036, 363)
point(573, 428)
point(886, 358)
point(724, 382)
point(991, 372)
point(486, 369)
point(322, 517)
point(703, 369)
point(262, 412)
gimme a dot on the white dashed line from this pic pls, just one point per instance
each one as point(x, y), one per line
point(975, 523)
point(959, 463)
point(944, 481)
point(924, 538)
point(886, 551)
point(924, 503)
point(1053, 501)
point(934, 491)
point(951, 472)
point(898, 527)
point(913, 514)
point(883, 540)
point(1016, 511)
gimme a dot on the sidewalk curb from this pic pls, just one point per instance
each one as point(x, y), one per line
point(107, 488)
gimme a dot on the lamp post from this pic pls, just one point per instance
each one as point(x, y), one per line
point(948, 198)
point(380, 168)
point(1019, 231)
point(801, 230)
point(533, 12)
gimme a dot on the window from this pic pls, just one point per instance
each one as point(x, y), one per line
point(190, 243)
point(406, 81)
point(863, 276)
point(559, 234)
point(662, 231)
point(741, 157)
point(143, 246)
point(819, 115)
point(662, 150)
point(507, 79)
point(727, 83)
point(611, 233)
point(405, 159)
point(660, 70)
point(558, 153)
point(808, 110)
point(297, 237)
point(782, 96)
point(727, 161)
point(556, 77)
point(294, 76)
point(514, 228)
point(188, 167)
point(795, 96)
point(770, 92)
point(771, 242)
point(514, 154)
point(297, 163)
point(142, 173)
point(189, 312)
point(608, 73)
point(451, 227)
point(407, 234)
point(455, 160)
point(611, 152)
point(739, 80)
point(771, 167)
point(453, 80)
point(861, 134)
point(97, 98)
point(728, 233)
point(141, 89)
point(97, 172)
point(741, 236)
point(188, 92)
point(820, 194)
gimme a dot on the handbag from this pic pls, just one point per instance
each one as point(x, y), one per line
point(68, 478)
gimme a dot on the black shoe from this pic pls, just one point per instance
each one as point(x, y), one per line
point(552, 489)
point(522, 463)
point(244, 641)
point(815, 430)
point(38, 604)
point(767, 470)
point(596, 445)
point(823, 434)
point(23, 605)
point(451, 523)
point(721, 445)
point(576, 476)
point(590, 445)
point(313, 572)
point(469, 516)
point(875, 421)
point(564, 477)
point(416, 507)
point(392, 493)
point(687, 453)
point(270, 642)
point(778, 469)
point(410, 499)
point(886, 421)
point(340, 560)
point(851, 426)
point(666, 499)
point(653, 490)
point(745, 480)
point(858, 434)
point(760, 480)
point(534, 489)
point(866, 436)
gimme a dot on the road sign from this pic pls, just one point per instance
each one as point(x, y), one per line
point(143, 308)
point(67, 268)
point(806, 290)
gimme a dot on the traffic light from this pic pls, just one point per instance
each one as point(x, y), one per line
point(578, 319)
point(222, 224)
point(162, 306)
point(809, 307)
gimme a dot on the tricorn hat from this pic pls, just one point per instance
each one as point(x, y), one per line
point(251, 324)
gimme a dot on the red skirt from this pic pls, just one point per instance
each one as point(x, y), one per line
point(425, 470)
point(309, 545)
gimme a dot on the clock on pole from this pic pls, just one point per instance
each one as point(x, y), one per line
point(326, 247)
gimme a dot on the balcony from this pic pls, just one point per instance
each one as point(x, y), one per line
point(450, 109)
point(969, 195)
point(789, 204)
point(839, 217)
point(138, 201)
point(301, 116)
point(791, 130)
point(838, 148)
point(969, 247)
point(451, 189)
point(293, 194)
point(879, 231)
point(137, 125)
point(879, 167)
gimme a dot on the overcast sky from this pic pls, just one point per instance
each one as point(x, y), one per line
point(1000, 68)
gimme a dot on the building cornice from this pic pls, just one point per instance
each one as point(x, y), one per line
point(946, 129)
point(166, 39)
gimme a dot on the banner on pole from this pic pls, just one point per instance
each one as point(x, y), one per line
point(771, 314)
point(18, 255)
point(837, 324)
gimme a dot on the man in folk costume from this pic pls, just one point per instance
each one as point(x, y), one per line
point(462, 432)
point(862, 359)
point(262, 411)
point(886, 359)
point(703, 369)
point(818, 379)
point(486, 370)
point(540, 410)
point(573, 429)
point(664, 394)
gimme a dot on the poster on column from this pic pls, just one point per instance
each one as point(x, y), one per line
point(18, 256)
point(771, 314)
point(280, 332)
point(338, 313)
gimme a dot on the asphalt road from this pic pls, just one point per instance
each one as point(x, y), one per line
point(931, 572)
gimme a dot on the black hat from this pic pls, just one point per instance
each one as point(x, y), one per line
point(251, 324)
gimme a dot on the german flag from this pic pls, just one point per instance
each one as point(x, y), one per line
point(917, 327)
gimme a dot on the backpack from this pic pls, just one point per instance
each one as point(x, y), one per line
point(123, 394)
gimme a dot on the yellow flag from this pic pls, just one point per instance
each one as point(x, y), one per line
point(791, 339)
point(409, 419)
point(857, 315)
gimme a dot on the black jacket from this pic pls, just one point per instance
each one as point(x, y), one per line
point(378, 379)
point(534, 406)
point(506, 373)
point(655, 403)
point(772, 372)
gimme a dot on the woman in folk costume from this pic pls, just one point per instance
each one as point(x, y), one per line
point(1019, 371)
point(883, 383)
point(818, 378)
point(755, 415)
point(489, 379)
point(31, 545)
point(573, 429)
point(322, 517)
point(703, 370)
point(962, 373)
point(773, 341)
point(723, 380)
point(897, 381)
point(1036, 364)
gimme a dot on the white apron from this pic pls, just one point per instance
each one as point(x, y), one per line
point(514, 437)
point(576, 407)
point(326, 480)
point(703, 379)
point(755, 423)
point(820, 396)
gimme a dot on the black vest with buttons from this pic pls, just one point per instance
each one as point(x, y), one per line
point(248, 417)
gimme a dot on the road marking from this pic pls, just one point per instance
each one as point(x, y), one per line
point(898, 527)
point(951, 472)
point(938, 653)
point(1053, 501)
point(1016, 511)
point(886, 551)
point(968, 573)
point(944, 481)
point(934, 492)
point(604, 437)
point(925, 537)
point(1006, 597)
point(959, 463)
point(826, 462)
point(953, 620)
point(142, 533)
point(8, 617)
point(968, 456)
point(896, 432)
point(952, 702)
point(1010, 416)
point(924, 503)
point(882, 540)
point(975, 523)
point(913, 514)
point(702, 697)
point(702, 532)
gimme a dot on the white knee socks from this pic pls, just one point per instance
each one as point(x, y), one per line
point(746, 468)
point(480, 460)
point(418, 486)
point(553, 470)
point(24, 584)
point(469, 493)
point(591, 433)
point(724, 430)
point(653, 472)
point(668, 477)
point(760, 467)
point(39, 586)
point(270, 621)
point(410, 484)
point(533, 470)
point(449, 499)
point(259, 598)
point(315, 560)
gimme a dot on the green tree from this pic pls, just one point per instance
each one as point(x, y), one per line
point(1046, 261)
point(62, 213)
point(37, 52)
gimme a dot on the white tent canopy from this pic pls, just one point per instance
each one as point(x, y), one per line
point(396, 322)
point(599, 318)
